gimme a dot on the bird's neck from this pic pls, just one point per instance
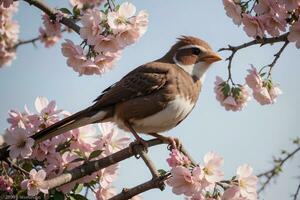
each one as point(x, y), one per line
point(197, 70)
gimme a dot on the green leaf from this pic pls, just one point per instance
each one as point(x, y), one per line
point(161, 172)
point(57, 196)
point(76, 12)
point(78, 188)
point(77, 197)
point(66, 11)
point(263, 74)
point(226, 90)
point(95, 154)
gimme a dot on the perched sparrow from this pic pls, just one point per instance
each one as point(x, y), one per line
point(152, 98)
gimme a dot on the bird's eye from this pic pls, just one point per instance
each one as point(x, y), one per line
point(196, 51)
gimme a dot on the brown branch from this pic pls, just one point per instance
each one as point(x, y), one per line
point(52, 12)
point(270, 174)
point(22, 42)
point(152, 184)
point(263, 41)
point(13, 165)
point(277, 55)
point(92, 166)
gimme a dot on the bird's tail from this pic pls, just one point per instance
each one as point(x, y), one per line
point(74, 121)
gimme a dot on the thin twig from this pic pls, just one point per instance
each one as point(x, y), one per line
point(129, 193)
point(110, 5)
point(270, 174)
point(295, 196)
point(22, 42)
point(277, 55)
point(263, 41)
point(51, 12)
point(12, 164)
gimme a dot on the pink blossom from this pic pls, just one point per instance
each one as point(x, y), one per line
point(84, 139)
point(6, 3)
point(290, 4)
point(211, 168)
point(42, 150)
point(35, 183)
point(48, 40)
point(105, 193)
point(47, 110)
point(253, 26)
point(118, 21)
point(19, 142)
point(232, 98)
point(108, 175)
point(106, 61)
point(107, 44)
point(294, 35)
point(233, 10)
point(6, 184)
point(18, 119)
point(91, 28)
point(265, 92)
point(177, 158)
point(68, 160)
point(246, 188)
point(86, 3)
point(52, 27)
point(74, 53)
point(273, 25)
point(53, 164)
point(183, 181)
point(112, 140)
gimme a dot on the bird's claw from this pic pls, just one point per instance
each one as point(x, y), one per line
point(141, 143)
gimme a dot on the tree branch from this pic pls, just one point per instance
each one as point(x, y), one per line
point(277, 55)
point(263, 41)
point(153, 183)
point(297, 192)
point(92, 166)
point(52, 12)
point(270, 174)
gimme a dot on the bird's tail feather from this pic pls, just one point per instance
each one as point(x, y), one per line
point(74, 121)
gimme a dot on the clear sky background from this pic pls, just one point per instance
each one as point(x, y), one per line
point(250, 136)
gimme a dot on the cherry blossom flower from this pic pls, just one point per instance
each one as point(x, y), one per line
point(105, 193)
point(233, 10)
point(177, 158)
point(107, 44)
point(294, 35)
point(67, 160)
point(183, 181)
point(232, 98)
point(253, 26)
point(18, 119)
point(108, 175)
point(48, 41)
point(84, 139)
point(6, 3)
point(19, 142)
point(265, 92)
point(91, 28)
point(273, 25)
point(35, 183)
point(112, 140)
point(85, 3)
point(211, 168)
point(42, 150)
point(290, 4)
point(6, 184)
point(52, 27)
point(246, 188)
point(119, 20)
point(47, 111)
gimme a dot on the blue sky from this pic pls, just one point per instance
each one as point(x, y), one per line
point(251, 136)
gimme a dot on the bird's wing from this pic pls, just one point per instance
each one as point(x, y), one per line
point(142, 81)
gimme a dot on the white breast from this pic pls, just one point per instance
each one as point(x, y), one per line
point(166, 119)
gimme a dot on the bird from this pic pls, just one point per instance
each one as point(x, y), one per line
point(151, 99)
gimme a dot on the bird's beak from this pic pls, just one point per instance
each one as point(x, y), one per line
point(211, 57)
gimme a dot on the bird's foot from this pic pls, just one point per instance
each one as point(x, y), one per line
point(140, 143)
point(173, 142)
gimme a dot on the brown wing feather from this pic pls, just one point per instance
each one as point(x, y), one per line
point(142, 81)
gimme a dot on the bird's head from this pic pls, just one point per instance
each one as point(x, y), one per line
point(193, 55)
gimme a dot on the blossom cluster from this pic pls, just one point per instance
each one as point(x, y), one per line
point(205, 182)
point(84, 4)
point(52, 157)
point(266, 17)
point(104, 35)
point(9, 30)
point(234, 98)
point(51, 33)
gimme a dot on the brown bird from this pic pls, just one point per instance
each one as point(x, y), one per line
point(151, 99)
